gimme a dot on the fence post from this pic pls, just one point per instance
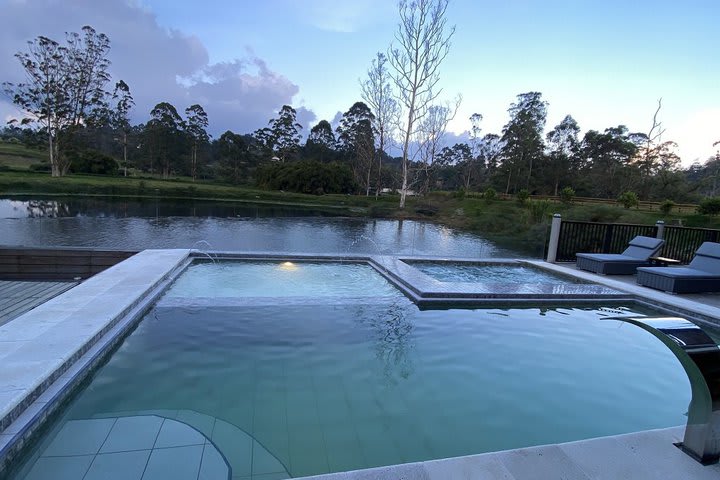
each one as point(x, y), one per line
point(554, 238)
point(660, 229)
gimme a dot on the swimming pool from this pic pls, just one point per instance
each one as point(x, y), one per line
point(490, 273)
point(308, 379)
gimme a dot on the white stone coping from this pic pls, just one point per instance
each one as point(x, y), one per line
point(38, 346)
point(656, 297)
point(648, 455)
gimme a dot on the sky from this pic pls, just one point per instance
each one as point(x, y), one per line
point(605, 63)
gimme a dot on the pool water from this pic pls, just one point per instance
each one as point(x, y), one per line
point(280, 279)
point(314, 387)
point(487, 273)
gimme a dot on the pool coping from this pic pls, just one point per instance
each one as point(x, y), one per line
point(52, 348)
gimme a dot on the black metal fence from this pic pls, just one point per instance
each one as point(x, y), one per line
point(591, 237)
point(680, 242)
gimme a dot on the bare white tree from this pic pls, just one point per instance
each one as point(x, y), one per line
point(423, 42)
point(377, 93)
point(431, 130)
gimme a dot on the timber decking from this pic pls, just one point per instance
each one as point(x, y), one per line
point(17, 298)
point(63, 263)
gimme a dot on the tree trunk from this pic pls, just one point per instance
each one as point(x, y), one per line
point(54, 170)
point(125, 153)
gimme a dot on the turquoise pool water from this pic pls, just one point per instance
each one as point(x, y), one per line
point(315, 386)
point(280, 279)
point(489, 273)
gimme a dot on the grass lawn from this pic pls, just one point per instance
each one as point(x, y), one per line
point(19, 157)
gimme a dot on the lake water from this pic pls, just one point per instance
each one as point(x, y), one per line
point(136, 225)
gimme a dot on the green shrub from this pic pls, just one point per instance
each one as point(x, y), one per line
point(539, 210)
point(666, 207)
point(490, 194)
point(460, 193)
point(39, 167)
point(709, 206)
point(91, 161)
point(628, 199)
point(567, 195)
point(522, 196)
point(307, 177)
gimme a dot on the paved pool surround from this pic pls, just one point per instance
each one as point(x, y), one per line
point(46, 352)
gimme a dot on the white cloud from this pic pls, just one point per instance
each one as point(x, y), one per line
point(342, 16)
point(158, 64)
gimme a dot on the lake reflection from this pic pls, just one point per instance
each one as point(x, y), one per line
point(133, 225)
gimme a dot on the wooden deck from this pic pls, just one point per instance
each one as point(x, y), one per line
point(17, 297)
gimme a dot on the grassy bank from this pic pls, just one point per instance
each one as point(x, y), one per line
point(520, 226)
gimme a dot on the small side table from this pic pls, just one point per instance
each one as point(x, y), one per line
point(663, 261)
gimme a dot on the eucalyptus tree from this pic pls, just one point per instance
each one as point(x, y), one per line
point(120, 117)
point(164, 134)
point(284, 133)
point(356, 140)
point(195, 125)
point(233, 152)
point(562, 152)
point(321, 143)
point(422, 43)
point(63, 84)
point(377, 93)
point(432, 130)
point(523, 139)
point(607, 157)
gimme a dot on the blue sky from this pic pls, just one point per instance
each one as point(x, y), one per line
point(605, 63)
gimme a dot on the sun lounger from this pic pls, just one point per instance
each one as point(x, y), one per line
point(701, 275)
point(625, 263)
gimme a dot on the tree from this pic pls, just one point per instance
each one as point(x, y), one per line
point(356, 140)
point(164, 132)
point(119, 116)
point(459, 155)
point(284, 133)
point(197, 122)
point(522, 138)
point(377, 93)
point(432, 129)
point(607, 157)
point(233, 155)
point(562, 146)
point(321, 143)
point(63, 85)
point(423, 43)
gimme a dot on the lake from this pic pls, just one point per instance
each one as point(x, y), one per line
point(136, 225)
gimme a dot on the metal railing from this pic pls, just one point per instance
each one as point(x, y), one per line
point(589, 237)
point(597, 237)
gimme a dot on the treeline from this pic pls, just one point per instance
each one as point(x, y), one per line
point(86, 128)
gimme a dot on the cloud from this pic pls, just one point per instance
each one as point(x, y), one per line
point(342, 16)
point(159, 64)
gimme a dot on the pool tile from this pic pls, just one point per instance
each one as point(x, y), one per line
point(264, 462)
point(307, 453)
point(343, 448)
point(176, 434)
point(236, 445)
point(60, 468)
point(276, 442)
point(378, 447)
point(132, 433)
point(203, 423)
point(213, 466)
point(180, 463)
point(80, 437)
point(118, 466)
